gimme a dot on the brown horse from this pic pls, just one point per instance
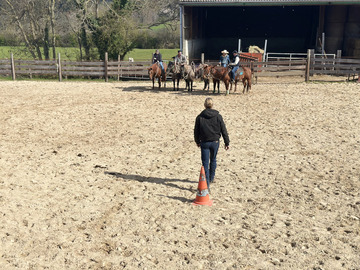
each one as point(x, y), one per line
point(220, 74)
point(203, 72)
point(155, 72)
point(243, 74)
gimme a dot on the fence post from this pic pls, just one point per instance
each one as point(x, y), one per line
point(118, 73)
point(308, 61)
point(59, 68)
point(338, 54)
point(13, 75)
point(106, 67)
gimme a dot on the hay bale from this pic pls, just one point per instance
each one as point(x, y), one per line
point(255, 49)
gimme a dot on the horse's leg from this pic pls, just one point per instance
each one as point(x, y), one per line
point(153, 81)
point(226, 86)
point(244, 83)
point(191, 85)
point(249, 83)
point(205, 84)
point(214, 83)
point(218, 84)
point(178, 82)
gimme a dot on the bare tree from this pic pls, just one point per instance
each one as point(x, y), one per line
point(33, 19)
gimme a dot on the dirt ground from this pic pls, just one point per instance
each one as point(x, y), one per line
point(102, 176)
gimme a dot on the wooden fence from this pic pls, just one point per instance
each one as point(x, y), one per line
point(338, 66)
point(68, 69)
point(306, 67)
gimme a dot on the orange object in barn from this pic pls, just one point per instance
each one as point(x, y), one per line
point(202, 195)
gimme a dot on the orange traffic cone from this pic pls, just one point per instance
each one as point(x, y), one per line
point(202, 195)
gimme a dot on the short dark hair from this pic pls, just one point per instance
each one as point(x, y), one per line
point(209, 103)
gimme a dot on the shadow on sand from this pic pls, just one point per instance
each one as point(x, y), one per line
point(156, 90)
point(155, 180)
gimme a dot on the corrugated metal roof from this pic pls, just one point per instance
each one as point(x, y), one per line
point(268, 2)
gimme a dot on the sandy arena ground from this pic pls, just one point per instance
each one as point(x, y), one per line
point(102, 176)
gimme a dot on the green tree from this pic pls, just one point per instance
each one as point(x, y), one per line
point(114, 32)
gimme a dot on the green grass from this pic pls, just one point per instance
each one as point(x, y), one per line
point(20, 52)
point(146, 54)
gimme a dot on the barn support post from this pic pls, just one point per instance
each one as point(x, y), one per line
point(239, 45)
point(181, 27)
point(13, 75)
point(202, 58)
point(308, 61)
point(265, 51)
point(106, 67)
point(323, 43)
point(59, 67)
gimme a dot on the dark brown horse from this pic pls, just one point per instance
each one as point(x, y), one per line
point(220, 74)
point(243, 74)
point(155, 72)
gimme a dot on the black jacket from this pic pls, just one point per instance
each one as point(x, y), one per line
point(157, 57)
point(209, 126)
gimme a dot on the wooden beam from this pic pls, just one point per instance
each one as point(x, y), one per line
point(13, 67)
point(59, 68)
point(106, 67)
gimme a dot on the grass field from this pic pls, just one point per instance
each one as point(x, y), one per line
point(74, 53)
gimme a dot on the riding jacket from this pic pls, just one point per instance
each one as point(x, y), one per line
point(224, 60)
point(209, 126)
point(180, 60)
point(157, 57)
point(236, 61)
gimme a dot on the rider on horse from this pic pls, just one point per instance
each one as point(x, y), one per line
point(234, 65)
point(180, 60)
point(224, 58)
point(157, 58)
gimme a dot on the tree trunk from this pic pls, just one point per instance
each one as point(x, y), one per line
point(46, 42)
point(52, 23)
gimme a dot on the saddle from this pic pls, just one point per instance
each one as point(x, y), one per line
point(240, 71)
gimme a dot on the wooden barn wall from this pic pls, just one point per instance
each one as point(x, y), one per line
point(342, 29)
point(340, 23)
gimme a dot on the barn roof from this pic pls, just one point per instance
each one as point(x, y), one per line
point(266, 2)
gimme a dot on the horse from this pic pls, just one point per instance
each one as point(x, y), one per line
point(243, 74)
point(189, 75)
point(155, 72)
point(218, 74)
point(203, 72)
point(175, 71)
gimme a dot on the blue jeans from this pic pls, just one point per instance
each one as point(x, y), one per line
point(162, 66)
point(233, 71)
point(208, 156)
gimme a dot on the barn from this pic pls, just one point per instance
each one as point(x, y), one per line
point(279, 26)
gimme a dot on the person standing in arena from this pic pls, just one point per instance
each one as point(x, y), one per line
point(209, 127)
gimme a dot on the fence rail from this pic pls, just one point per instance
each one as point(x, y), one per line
point(305, 67)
